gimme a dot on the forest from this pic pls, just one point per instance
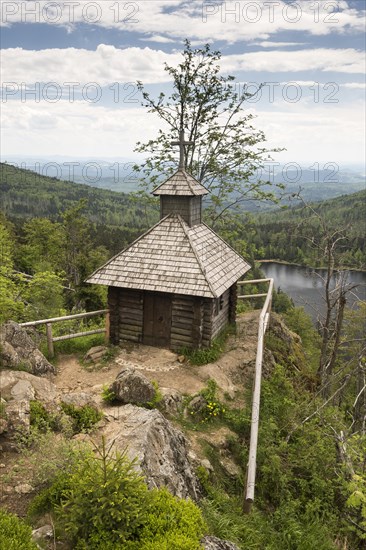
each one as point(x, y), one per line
point(311, 485)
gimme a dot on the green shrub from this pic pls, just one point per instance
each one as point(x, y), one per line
point(213, 408)
point(153, 404)
point(84, 417)
point(170, 518)
point(2, 409)
point(100, 502)
point(108, 395)
point(14, 533)
point(211, 354)
point(40, 418)
point(104, 500)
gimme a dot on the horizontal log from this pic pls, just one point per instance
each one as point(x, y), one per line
point(182, 314)
point(180, 331)
point(130, 338)
point(65, 318)
point(130, 328)
point(78, 334)
point(184, 325)
point(137, 315)
point(181, 341)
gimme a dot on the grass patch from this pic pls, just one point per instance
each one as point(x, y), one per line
point(78, 346)
point(211, 354)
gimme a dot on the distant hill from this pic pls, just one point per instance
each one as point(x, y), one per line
point(117, 217)
point(25, 193)
point(319, 182)
point(275, 231)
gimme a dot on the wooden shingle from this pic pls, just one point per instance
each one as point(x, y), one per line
point(173, 257)
point(181, 184)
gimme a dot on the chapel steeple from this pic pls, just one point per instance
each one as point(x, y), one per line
point(182, 193)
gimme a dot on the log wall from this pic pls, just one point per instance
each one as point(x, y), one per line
point(195, 321)
point(183, 316)
point(221, 314)
point(131, 313)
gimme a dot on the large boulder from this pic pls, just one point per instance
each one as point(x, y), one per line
point(131, 386)
point(18, 351)
point(160, 449)
point(18, 389)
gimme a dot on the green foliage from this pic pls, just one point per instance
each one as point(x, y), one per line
point(154, 403)
point(212, 409)
point(100, 502)
point(104, 501)
point(356, 502)
point(14, 533)
point(227, 149)
point(40, 418)
point(283, 235)
point(2, 410)
point(301, 500)
point(84, 417)
point(108, 395)
point(44, 296)
point(171, 523)
point(77, 345)
point(211, 354)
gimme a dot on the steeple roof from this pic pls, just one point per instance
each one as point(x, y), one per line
point(173, 257)
point(181, 183)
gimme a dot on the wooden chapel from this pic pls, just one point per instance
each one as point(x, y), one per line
point(175, 286)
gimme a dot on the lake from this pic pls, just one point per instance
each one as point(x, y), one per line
point(305, 287)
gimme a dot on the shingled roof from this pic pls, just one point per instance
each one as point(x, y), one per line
point(173, 257)
point(181, 183)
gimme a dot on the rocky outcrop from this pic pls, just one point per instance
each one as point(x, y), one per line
point(160, 449)
point(131, 386)
point(17, 390)
point(213, 543)
point(18, 351)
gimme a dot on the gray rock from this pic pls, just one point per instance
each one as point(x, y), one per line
point(17, 350)
point(23, 389)
point(197, 404)
point(131, 386)
point(172, 401)
point(18, 418)
point(79, 399)
point(24, 489)
point(160, 449)
point(95, 354)
point(19, 388)
point(213, 543)
point(44, 533)
point(16, 383)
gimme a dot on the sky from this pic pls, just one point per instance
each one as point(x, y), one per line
point(69, 72)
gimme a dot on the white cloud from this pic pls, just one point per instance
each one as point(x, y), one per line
point(230, 21)
point(158, 38)
point(317, 132)
point(108, 64)
point(105, 65)
point(268, 44)
point(354, 85)
point(322, 59)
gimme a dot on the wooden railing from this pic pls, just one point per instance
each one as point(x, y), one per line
point(49, 322)
point(263, 322)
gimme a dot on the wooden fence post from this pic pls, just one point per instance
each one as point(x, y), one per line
point(107, 326)
point(51, 350)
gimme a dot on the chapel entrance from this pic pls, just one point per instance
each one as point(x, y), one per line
point(157, 319)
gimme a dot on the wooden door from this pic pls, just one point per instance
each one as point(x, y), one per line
point(157, 319)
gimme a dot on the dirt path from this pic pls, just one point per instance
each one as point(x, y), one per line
point(163, 366)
